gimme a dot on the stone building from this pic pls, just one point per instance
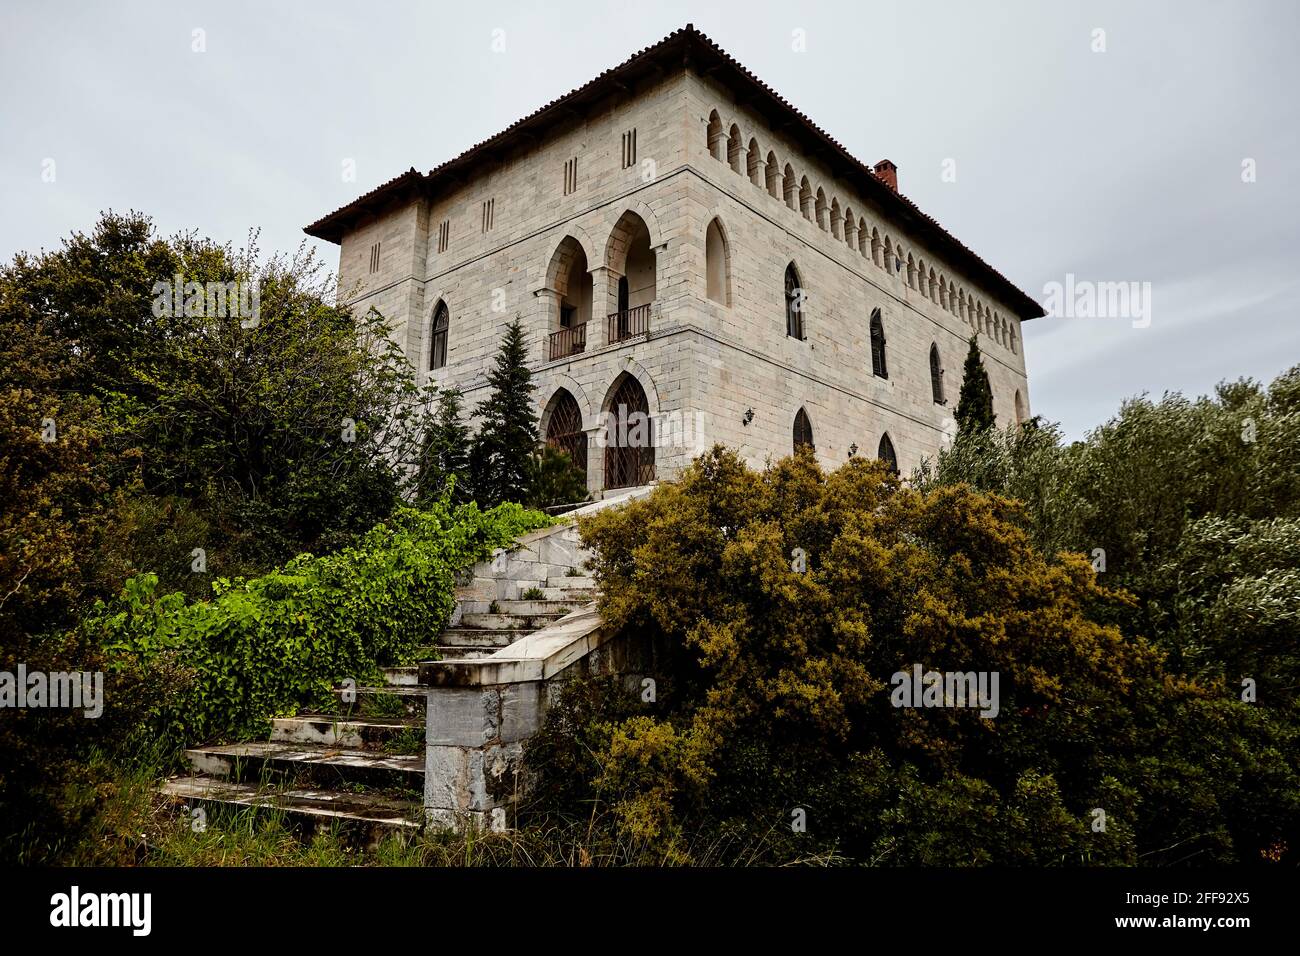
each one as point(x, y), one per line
point(693, 260)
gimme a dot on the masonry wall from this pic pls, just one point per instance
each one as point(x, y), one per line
point(704, 364)
point(746, 360)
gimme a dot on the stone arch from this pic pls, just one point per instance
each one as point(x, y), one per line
point(579, 235)
point(735, 150)
point(632, 254)
point(932, 286)
point(612, 252)
point(557, 381)
point(773, 176)
point(890, 256)
point(911, 272)
point(438, 339)
point(628, 433)
point(568, 278)
point(806, 199)
point(936, 375)
point(837, 218)
point(754, 163)
point(796, 301)
point(714, 136)
point(790, 188)
point(877, 249)
point(631, 366)
point(717, 262)
point(562, 427)
point(803, 430)
point(821, 209)
point(885, 452)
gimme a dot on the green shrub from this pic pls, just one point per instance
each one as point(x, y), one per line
point(787, 599)
point(262, 647)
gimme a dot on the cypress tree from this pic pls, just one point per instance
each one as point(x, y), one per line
point(975, 403)
point(444, 459)
point(507, 437)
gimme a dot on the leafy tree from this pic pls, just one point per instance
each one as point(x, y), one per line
point(1189, 504)
point(507, 435)
point(445, 457)
point(255, 435)
point(554, 480)
point(787, 602)
point(975, 402)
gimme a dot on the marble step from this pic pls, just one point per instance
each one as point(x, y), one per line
point(324, 767)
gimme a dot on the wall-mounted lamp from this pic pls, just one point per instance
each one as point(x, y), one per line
point(748, 416)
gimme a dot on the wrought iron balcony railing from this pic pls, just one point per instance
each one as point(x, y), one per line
point(570, 341)
point(627, 324)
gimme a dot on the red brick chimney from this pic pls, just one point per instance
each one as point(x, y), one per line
point(888, 172)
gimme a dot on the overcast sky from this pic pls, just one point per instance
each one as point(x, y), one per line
point(1122, 165)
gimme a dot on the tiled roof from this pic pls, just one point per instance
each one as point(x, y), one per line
point(689, 47)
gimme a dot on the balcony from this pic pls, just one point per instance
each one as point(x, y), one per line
point(627, 324)
point(570, 341)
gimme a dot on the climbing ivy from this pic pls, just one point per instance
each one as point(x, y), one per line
point(265, 646)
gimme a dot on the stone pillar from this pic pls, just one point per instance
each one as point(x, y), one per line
point(473, 743)
point(549, 300)
point(604, 302)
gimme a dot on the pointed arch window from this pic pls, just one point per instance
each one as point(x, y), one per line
point(879, 364)
point(886, 453)
point(794, 304)
point(803, 431)
point(438, 345)
point(936, 376)
point(717, 264)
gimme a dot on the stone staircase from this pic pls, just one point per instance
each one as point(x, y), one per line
point(360, 767)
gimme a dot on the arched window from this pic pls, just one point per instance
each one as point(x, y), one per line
point(754, 164)
point(438, 343)
point(716, 137)
point(717, 265)
point(879, 367)
point(911, 272)
point(1012, 333)
point(850, 228)
point(936, 375)
point(794, 303)
point(820, 209)
point(803, 433)
point(886, 453)
point(790, 186)
point(863, 241)
point(806, 199)
point(876, 249)
point(773, 176)
point(837, 219)
point(629, 436)
point(564, 428)
point(1020, 409)
point(734, 149)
